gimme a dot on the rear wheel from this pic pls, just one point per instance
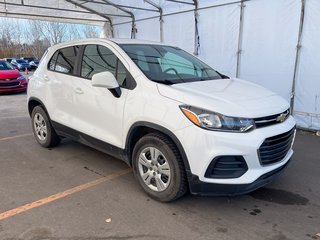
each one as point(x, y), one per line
point(158, 168)
point(42, 128)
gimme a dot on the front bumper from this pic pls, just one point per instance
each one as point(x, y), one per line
point(198, 187)
point(20, 88)
point(202, 146)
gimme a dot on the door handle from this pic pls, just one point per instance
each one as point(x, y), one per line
point(78, 90)
point(46, 78)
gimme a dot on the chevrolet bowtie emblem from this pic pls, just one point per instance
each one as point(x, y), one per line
point(282, 117)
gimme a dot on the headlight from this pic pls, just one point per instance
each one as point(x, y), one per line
point(216, 121)
point(21, 78)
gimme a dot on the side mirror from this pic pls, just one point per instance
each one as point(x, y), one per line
point(106, 80)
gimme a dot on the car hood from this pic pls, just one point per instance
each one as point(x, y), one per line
point(5, 74)
point(231, 97)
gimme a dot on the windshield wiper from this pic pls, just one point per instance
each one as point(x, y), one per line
point(165, 81)
point(223, 76)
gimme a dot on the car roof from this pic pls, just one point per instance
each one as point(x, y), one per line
point(133, 41)
point(109, 40)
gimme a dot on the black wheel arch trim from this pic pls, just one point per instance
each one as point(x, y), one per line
point(163, 130)
point(41, 103)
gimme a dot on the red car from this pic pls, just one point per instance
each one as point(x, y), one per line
point(10, 79)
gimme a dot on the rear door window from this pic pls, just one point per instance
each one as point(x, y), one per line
point(97, 59)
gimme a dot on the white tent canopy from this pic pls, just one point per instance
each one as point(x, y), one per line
point(270, 42)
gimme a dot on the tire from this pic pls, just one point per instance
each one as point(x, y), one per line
point(42, 128)
point(158, 167)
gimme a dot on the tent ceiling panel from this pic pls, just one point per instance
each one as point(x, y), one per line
point(107, 13)
point(91, 11)
point(50, 10)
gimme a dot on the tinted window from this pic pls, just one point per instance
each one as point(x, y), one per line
point(21, 61)
point(121, 74)
point(53, 61)
point(97, 59)
point(66, 59)
point(5, 66)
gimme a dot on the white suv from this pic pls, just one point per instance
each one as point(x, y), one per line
point(180, 124)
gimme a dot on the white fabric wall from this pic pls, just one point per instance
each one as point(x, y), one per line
point(307, 100)
point(148, 30)
point(122, 31)
point(179, 31)
point(270, 36)
point(218, 30)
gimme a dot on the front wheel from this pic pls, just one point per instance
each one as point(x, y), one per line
point(158, 168)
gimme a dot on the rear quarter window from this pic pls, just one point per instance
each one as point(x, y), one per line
point(64, 59)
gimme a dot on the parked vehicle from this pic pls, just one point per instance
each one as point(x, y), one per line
point(10, 79)
point(20, 65)
point(34, 64)
point(28, 59)
point(179, 123)
point(8, 59)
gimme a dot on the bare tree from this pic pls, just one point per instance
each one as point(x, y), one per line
point(74, 32)
point(6, 32)
point(55, 32)
point(36, 38)
point(90, 31)
point(35, 30)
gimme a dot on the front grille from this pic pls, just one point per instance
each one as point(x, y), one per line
point(226, 167)
point(275, 148)
point(9, 83)
point(7, 79)
point(271, 120)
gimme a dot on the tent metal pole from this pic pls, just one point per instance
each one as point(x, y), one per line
point(196, 30)
point(177, 1)
point(161, 25)
point(14, 14)
point(122, 6)
point(133, 22)
point(59, 9)
point(160, 18)
point(298, 53)
point(185, 11)
point(239, 51)
point(93, 11)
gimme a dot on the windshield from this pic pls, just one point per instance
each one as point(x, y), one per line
point(169, 65)
point(28, 59)
point(21, 61)
point(5, 66)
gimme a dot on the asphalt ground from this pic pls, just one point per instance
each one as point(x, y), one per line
point(73, 192)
